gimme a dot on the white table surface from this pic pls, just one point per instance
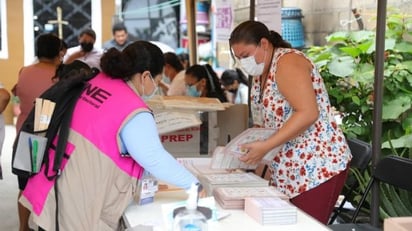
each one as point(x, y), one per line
point(238, 220)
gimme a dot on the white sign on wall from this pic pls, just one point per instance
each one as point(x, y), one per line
point(269, 13)
point(224, 17)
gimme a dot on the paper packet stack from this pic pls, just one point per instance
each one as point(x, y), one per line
point(43, 112)
point(233, 179)
point(234, 197)
point(227, 157)
point(271, 210)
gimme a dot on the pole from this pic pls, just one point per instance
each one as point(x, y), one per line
point(252, 10)
point(191, 30)
point(377, 112)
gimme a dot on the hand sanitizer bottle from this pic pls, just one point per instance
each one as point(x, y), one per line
point(189, 218)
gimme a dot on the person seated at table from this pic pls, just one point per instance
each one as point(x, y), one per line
point(112, 140)
point(202, 81)
point(184, 59)
point(175, 73)
point(235, 82)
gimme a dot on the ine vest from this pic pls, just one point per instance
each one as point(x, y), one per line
point(97, 182)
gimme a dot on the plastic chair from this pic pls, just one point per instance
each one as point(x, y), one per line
point(361, 156)
point(392, 170)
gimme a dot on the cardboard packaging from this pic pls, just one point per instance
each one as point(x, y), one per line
point(217, 128)
point(397, 224)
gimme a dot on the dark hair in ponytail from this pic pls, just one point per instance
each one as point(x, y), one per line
point(138, 57)
point(229, 76)
point(214, 89)
point(276, 39)
point(251, 32)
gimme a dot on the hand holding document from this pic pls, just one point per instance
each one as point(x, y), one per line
point(228, 157)
point(42, 114)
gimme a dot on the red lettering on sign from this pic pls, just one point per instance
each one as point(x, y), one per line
point(176, 138)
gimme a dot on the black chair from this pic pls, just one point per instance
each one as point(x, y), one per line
point(392, 170)
point(361, 156)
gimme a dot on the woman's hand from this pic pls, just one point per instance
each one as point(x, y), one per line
point(254, 152)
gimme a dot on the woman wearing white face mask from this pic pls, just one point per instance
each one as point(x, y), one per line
point(112, 140)
point(289, 95)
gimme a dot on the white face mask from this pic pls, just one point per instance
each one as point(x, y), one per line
point(149, 96)
point(250, 65)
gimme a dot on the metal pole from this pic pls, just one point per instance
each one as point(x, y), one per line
point(252, 10)
point(252, 18)
point(191, 30)
point(377, 112)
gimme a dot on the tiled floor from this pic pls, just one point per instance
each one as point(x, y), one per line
point(8, 186)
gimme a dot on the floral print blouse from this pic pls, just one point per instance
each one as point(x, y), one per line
point(314, 156)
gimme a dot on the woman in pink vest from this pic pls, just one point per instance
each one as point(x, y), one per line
point(113, 139)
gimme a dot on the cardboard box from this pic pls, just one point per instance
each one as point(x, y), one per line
point(397, 224)
point(217, 128)
point(231, 122)
point(194, 141)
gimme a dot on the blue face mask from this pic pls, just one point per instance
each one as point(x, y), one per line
point(192, 91)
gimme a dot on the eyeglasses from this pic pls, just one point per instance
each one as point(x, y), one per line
point(192, 84)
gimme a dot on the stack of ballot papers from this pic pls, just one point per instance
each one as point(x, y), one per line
point(200, 166)
point(227, 157)
point(186, 103)
point(170, 121)
point(234, 197)
point(271, 210)
point(233, 179)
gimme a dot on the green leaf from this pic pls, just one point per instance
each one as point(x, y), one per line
point(398, 204)
point(407, 123)
point(389, 45)
point(401, 142)
point(356, 100)
point(352, 51)
point(406, 198)
point(323, 57)
point(364, 47)
point(403, 47)
point(365, 73)
point(342, 66)
point(362, 35)
point(392, 109)
point(387, 205)
point(339, 36)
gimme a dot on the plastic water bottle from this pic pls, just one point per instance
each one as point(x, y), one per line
point(189, 218)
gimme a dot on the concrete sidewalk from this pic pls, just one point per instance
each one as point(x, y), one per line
point(8, 186)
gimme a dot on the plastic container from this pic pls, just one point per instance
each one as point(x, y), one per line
point(189, 218)
point(292, 28)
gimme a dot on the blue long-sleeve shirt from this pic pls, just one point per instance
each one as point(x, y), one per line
point(141, 140)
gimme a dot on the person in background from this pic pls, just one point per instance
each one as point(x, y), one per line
point(184, 59)
point(288, 95)
point(235, 82)
point(174, 71)
point(85, 51)
point(4, 100)
point(33, 80)
point(120, 38)
point(202, 81)
point(108, 154)
point(75, 68)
